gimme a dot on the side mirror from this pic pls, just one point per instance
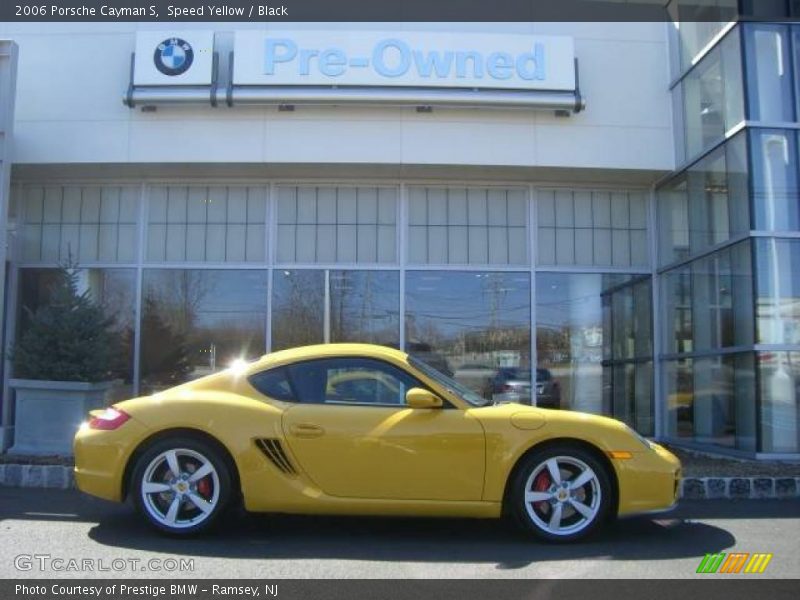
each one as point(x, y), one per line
point(419, 398)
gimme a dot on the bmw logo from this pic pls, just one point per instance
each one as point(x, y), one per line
point(173, 56)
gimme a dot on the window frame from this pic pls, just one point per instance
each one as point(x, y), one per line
point(297, 399)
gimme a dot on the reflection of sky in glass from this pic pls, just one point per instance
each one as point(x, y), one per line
point(456, 302)
point(572, 298)
point(218, 296)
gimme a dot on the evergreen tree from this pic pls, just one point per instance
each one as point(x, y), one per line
point(165, 355)
point(67, 339)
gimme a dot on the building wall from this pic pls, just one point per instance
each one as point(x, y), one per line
point(72, 78)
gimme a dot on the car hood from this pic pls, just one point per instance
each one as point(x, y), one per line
point(518, 413)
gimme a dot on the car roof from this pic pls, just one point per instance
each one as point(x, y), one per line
point(330, 350)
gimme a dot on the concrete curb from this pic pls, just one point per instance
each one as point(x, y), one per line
point(691, 488)
point(37, 476)
point(712, 488)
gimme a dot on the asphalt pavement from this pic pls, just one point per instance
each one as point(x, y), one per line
point(60, 525)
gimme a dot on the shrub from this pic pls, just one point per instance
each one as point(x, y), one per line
point(69, 338)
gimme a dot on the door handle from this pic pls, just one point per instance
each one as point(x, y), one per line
point(306, 430)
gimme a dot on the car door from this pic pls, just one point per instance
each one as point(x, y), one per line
point(354, 436)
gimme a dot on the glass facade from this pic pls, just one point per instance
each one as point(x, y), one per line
point(477, 226)
point(471, 325)
point(729, 256)
point(223, 276)
point(592, 228)
point(198, 321)
point(594, 341)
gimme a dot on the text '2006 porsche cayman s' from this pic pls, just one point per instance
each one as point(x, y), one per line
point(365, 430)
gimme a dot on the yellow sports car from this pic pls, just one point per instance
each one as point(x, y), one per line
point(361, 429)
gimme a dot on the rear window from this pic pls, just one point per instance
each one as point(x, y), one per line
point(273, 383)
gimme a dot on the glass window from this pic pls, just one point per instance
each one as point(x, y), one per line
point(113, 289)
point(708, 304)
point(206, 224)
point(673, 221)
point(769, 73)
point(467, 226)
point(776, 194)
point(629, 320)
point(778, 301)
point(197, 322)
point(730, 48)
point(274, 384)
point(470, 325)
point(578, 319)
point(84, 224)
point(360, 381)
point(706, 205)
point(711, 400)
point(362, 306)
point(592, 227)
point(712, 96)
point(679, 388)
point(325, 224)
point(779, 375)
point(796, 46)
point(677, 302)
point(298, 308)
point(698, 24)
point(365, 307)
point(704, 104)
point(631, 387)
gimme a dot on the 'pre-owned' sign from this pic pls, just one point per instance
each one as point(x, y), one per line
point(414, 59)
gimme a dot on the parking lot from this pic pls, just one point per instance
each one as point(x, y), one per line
point(67, 524)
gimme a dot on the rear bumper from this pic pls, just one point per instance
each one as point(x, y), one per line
point(101, 457)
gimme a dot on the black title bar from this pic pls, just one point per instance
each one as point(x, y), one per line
point(387, 10)
point(719, 588)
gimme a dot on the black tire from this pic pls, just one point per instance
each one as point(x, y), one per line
point(218, 485)
point(533, 474)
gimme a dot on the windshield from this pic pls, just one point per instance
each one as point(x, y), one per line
point(450, 384)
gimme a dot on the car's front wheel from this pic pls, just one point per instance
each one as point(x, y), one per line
point(181, 485)
point(560, 493)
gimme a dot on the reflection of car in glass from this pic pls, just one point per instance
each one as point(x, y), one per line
point(548, 390)
point(363, 387)
point(321, 430)
point(512, 384)
point(477, 377)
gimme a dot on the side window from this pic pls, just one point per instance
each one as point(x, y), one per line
point(359, 381)
point(273, 383)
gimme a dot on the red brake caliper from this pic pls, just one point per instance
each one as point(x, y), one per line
point(204, 487)
point(542, 484)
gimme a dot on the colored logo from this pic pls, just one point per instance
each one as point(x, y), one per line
point(735, 562)
point(173, 56)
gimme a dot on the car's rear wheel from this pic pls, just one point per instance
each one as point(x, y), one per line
point(561, 493)
point(181, 485)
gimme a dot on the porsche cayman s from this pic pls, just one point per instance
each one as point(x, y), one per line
point(365, 430)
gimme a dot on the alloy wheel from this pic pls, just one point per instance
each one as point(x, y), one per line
point(563, 495)
point(180, 488)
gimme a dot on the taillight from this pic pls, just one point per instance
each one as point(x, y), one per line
point(110, 418)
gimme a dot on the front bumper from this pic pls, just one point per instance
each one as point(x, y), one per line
point(649, 482)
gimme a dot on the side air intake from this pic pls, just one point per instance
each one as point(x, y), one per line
point(273, 450)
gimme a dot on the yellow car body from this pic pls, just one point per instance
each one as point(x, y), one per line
point(368, 460)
